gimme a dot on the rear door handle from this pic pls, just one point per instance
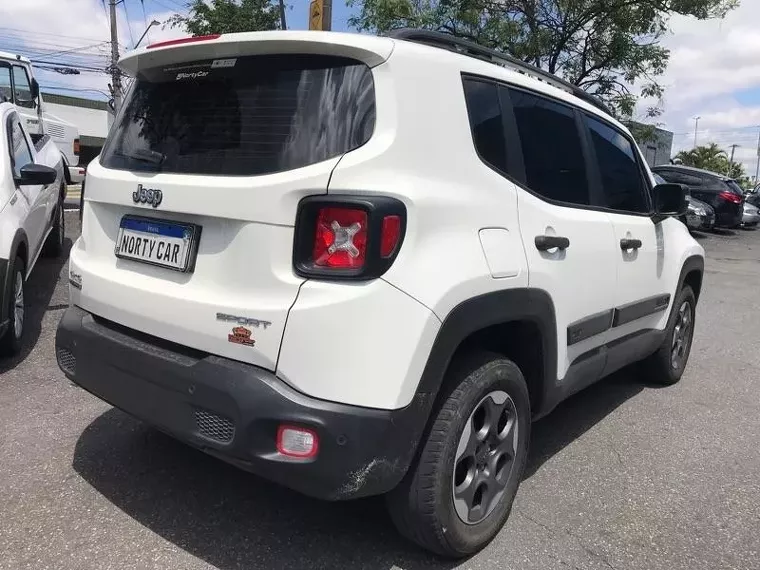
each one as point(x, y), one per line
point(627, 243)
point(544, 243)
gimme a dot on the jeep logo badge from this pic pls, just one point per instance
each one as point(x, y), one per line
point(147, 196)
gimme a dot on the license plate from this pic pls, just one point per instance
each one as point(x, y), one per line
point(158, 242)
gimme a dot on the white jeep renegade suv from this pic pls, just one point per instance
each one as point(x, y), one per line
point(359, 265)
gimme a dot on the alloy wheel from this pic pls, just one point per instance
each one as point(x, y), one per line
point(18, 306)
point(681, 336)
point(61, 225)
point(485, 457)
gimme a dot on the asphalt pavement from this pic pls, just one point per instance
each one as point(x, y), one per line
point(624, 475)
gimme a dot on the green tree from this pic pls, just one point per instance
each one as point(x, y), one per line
point(713, 158)
point(228, 16)
point(603, 46)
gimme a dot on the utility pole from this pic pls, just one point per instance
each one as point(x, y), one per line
point(283, 24)
point(320, 15)
point(757, 169)
point(115, 73)
point(731, 164)
point(696, 125)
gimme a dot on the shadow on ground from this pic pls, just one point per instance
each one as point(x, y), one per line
point(232, 519)
point(38, 293)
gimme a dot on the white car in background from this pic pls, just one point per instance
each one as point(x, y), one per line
point(32, 191)
point(76, 174)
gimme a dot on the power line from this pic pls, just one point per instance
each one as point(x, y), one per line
point(168, 7)
point(180, 6)
point(36, 32)
point(60, 64)
point(61, 88)
point(129, 25)
point(708, 131)
point(72, 50)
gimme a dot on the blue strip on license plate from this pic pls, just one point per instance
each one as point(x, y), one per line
point(157, 228)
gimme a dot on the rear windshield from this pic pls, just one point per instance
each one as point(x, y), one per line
point(243, 116)
point(735, 188)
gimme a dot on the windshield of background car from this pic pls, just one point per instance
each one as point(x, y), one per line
point(243, 116)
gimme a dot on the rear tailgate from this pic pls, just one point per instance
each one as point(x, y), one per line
point(211, 154)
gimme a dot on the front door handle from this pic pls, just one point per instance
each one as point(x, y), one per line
point(544, 243)
point(628, 243)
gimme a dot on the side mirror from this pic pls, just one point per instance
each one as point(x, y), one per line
point(669, 200)
point(35, 88)
point(36, 174)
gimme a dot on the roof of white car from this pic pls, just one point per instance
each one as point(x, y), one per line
point(14, 57)
point(373, 50)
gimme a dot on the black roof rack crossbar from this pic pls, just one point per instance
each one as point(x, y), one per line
point(466, 47)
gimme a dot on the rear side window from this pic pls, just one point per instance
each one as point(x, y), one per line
point(246, 116)
point(622, 182)
point(484, 111)
point(551, 148)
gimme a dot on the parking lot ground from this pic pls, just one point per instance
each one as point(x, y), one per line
point(622, 476)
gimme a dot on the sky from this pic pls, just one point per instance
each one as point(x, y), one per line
point(714, 70)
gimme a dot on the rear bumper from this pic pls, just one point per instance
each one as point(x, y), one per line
point(232, 410)
point(729, 215)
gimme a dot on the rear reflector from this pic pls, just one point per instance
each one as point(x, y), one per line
point(296, 441)
point(341, 238)
point(390, 234)
point(185, 41)
point(76, 147)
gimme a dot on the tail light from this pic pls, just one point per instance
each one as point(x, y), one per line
point(347, 237)
point(731, 197)
point(76, 147)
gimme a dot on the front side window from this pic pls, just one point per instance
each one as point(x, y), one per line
point(484, 111)
point(622, 182)
point(551, 148)
point(20, 153)
point(22, 87)
point(243, 116)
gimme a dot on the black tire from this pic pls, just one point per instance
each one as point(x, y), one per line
point(662, 367)
point(54, 244)
point(422, 506)
point(11, 341)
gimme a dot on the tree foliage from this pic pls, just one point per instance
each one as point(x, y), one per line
point(228, 16)
point(604, 46)
point(713, 158)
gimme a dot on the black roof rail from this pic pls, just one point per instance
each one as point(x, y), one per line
point(466, 47)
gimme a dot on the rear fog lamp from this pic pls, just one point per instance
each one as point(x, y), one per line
point(299, 442)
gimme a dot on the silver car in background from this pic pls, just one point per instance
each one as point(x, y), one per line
point(751, 216)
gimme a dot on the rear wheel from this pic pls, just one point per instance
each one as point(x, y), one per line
point(54, 243)
point(666, 366)
point(459, 494)
point(10, 343)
